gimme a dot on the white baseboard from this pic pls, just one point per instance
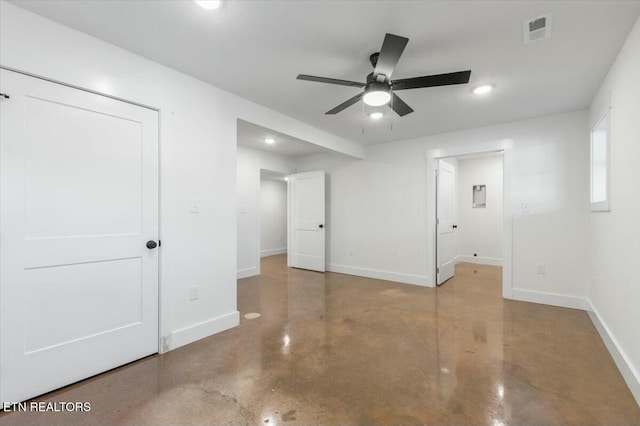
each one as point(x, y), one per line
point(553, 299)
point(273, 252)
point(629, 373)
point(377, 274)
point(479, 260)
point(203, 329)
point(248, 272)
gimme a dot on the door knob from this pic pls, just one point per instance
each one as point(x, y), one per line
point(151, 245)
point(321, 226)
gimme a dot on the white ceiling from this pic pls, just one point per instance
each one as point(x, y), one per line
point(253, 136)
point(256, 48)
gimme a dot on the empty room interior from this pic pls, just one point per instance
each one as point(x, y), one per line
point(324, 212)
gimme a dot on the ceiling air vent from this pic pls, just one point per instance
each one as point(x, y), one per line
point(537, 28)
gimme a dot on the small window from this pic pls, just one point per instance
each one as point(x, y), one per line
point(479, 196)
point(600, 165)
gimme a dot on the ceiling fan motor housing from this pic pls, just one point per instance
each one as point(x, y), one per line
point(377, 86)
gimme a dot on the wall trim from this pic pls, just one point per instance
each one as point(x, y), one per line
point(203, 329)
point(378, 274)
point(247, 272)
point(479, 260)
point(273, 252)
point(553, 299)
point(630, 375)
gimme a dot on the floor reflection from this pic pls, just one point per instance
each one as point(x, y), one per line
point(338, 349)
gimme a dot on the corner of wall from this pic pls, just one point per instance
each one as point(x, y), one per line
point(248, 272)
point(203, 329)
point(629, 373)
point(546, 298)
point(378, 274)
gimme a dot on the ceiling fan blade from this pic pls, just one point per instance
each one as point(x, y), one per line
point(346, 104)
point(399, 106)
point(329, 80)
point(390, 53)
point(461, 77)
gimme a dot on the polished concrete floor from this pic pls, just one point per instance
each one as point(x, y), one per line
point(337, 349)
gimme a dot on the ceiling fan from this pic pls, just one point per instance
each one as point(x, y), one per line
point(379, 88)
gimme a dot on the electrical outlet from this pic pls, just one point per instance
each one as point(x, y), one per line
point(350, 251)
point(542, 268)
point(194, 292)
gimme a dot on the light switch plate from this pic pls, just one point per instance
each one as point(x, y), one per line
point(542, 268)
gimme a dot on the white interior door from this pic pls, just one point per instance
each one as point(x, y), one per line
point(446, 192)
point(78, 203)
point(306, 224)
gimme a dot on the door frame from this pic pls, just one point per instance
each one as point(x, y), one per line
point(285, 175)
point(164, 293)
point(432, 156)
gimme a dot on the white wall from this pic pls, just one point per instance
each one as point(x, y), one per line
point(614, 267)
point(479, 229)
point(197, 155)
point(250, 161)
point(273, 216)
point(378, 206)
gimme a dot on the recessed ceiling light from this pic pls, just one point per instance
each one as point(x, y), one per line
point(209, 4)
point(269, 141)
point(376, 115)
point(483, 90)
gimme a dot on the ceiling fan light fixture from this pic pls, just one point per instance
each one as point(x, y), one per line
point(209, 4)
point(377, 94)
point(483, 90)
point(376, 115)
point(377, 98)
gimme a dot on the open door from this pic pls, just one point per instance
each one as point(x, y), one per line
point(446, 243)
point(306, 221)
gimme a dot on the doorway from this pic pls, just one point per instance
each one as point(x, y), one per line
point(469, 212)
point(266, 157)
point(273, 206)
point(461, 150)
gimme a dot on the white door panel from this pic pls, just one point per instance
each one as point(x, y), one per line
point(79, 201)
point(446, 247)
point(116, 282)
point(307, 215)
